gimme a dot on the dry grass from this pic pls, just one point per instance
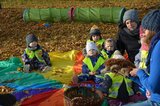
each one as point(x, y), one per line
point(78, 3)
point(60, 36)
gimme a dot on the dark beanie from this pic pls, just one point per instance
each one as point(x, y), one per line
point(151, 21)
point(31, 38)
point(95, 32)
point(131, 14)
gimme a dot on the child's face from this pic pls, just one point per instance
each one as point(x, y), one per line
point(143, 37)
point(33, 44)
point(92, 52)
point(95, 37)
point(109, 46)
point(131, 25)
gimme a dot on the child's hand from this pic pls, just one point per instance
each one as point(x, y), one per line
point(26, 68)
point(92, 73)
point(134, 72)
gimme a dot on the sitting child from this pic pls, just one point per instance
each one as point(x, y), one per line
point(141, 57)
point(116, 85)
point(95, 36)
point(109, 48)
point(93, 63)
point(34, 56)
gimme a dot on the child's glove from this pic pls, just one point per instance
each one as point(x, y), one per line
point(26, 68)
point(92, 73)
point(46, 68)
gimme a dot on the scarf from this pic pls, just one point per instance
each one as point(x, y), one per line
point(133, 32)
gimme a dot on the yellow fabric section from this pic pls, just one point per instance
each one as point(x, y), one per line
point(62, 66)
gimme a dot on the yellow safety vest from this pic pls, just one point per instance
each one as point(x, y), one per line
point(92, 68)
point(116, 83)
point(38, 54)
point(143, 59)
point(99, 42)
point(105, 55)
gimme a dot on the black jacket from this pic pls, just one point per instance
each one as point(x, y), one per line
point(128, 41)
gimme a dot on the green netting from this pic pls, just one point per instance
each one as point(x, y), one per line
point(46, 15)
point(105, 15)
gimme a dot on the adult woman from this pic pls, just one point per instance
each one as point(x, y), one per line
point(151, 30)
point(128, 34)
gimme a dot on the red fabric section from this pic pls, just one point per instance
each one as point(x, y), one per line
point(57, 99)
point(37, 99)
point(78, 63)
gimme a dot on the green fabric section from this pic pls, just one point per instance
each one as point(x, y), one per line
point(46, 15)
point(10, 76)
point(108, 14)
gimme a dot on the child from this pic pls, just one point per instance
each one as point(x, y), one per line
point(93, 63)
point(34, 56)
point(151, 31)
point(141, 57)
point(140, 60)
point(116, 85)
point(109, 48)
point(95, 36)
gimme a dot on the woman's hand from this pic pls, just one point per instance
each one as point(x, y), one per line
point(134, 72)
point(148, 94)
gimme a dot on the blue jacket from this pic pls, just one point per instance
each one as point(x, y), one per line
point(85, 69)
point(152, 81)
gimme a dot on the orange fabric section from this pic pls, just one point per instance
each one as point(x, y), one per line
point(78, 63)
point(37, 99)
point(57, 99)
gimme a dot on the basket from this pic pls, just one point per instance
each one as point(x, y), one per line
point(81, 96)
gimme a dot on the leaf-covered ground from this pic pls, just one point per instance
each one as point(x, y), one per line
point(60, 36)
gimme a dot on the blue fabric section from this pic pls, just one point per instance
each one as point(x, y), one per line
point(27, 93)
point(20, 81)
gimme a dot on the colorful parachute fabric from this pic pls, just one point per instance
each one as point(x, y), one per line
point(37, 87)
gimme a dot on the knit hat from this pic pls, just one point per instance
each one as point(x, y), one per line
point(94, 30)
point(31, 38)
point(151, 21)
point(131, 14)
point(91, 45)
